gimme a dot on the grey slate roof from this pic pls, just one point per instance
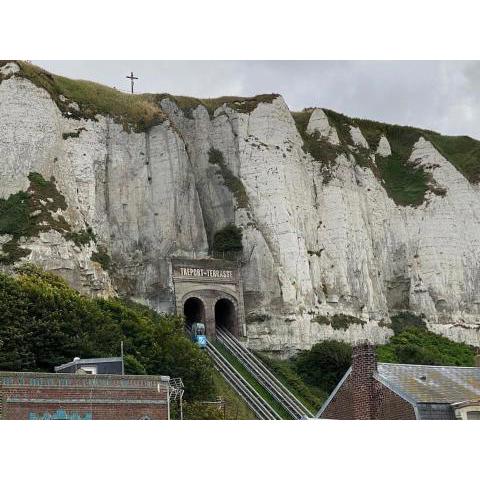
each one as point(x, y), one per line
point(432, 384)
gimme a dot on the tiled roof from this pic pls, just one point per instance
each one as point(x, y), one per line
point(432, 384)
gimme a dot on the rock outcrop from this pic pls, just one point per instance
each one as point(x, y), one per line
point(326, 230)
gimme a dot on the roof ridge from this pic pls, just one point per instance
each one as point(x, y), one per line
point(429, 366)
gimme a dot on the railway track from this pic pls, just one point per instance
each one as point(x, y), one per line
point(288, 406)
point(288, 401)
point(254, 400)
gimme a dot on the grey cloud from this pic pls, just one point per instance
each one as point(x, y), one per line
point(439, 95)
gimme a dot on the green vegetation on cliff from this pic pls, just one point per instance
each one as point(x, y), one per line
point(26, 214)
point(339, 321)
point(405, 182)
point(320, 149)
point(137, 112)
point(231, 181)
point(228, 240)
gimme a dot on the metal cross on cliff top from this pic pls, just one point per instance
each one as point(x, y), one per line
point(132, 79)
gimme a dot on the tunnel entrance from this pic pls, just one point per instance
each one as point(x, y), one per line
point(226, 316)
point(194, 311)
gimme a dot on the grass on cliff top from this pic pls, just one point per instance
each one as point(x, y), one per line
point(137, 112)
point(240, 104)
point(405, 183)
point(132, 111)
point(462, 152)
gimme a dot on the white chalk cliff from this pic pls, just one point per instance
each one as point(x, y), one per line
point(319, 237)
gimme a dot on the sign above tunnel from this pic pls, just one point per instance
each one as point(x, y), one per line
point(207, 270)
point(203, 272)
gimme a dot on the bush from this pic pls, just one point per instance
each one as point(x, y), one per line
point(44, 323)
point(312, 397)
point(417, 346)
point(325, 364)
point(228, 239)
point(404, 320)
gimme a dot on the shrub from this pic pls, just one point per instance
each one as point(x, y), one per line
point(258, 317)
point(102, 257)
point(404, 320)
point(312, 397)
point(324, 365)
point(83, 237)
point(418, 346)
point(228, 239)
point(339, 321)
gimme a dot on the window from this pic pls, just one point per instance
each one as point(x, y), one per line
point(90, 370)
point(473, 415)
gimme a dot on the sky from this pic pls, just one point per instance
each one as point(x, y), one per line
point(438, 95)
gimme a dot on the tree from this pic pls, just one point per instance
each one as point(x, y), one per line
point(324, 365)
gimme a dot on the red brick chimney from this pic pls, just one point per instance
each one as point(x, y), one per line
point(364, 365)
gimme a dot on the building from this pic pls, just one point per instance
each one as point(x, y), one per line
point(112, 366)
point(70, 396)
point(389, 391)
point(209, 291)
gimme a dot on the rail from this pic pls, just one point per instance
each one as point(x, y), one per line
point(259, 406)
point(252, 398)
point(264, 376)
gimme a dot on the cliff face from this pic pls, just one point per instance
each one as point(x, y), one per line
point(339, 216)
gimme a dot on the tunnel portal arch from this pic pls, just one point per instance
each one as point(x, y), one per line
point(226, 315)
point(193, 310)
point(209, 291)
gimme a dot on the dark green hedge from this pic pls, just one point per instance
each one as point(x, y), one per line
point(44, 322)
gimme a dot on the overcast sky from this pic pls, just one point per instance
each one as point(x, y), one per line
point(442, 96)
